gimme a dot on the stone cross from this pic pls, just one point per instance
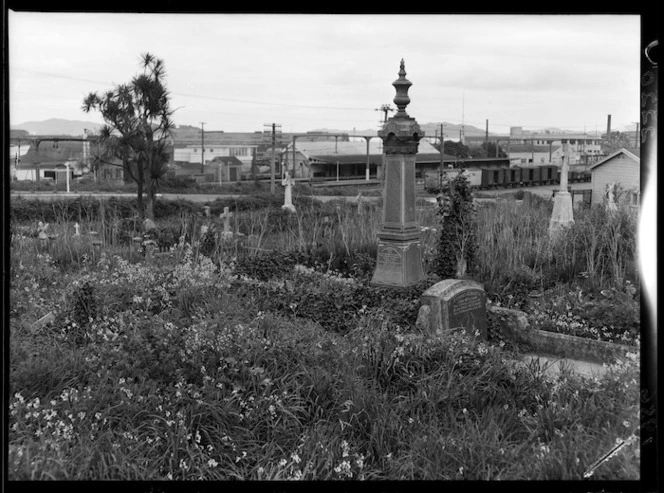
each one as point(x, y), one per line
point(41, 230)
point(226, 216)
point(77, 227)
point(562, 215)
point(288, 182)
point(399, 259)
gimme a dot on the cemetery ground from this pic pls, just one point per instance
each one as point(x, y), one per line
point(265, 354)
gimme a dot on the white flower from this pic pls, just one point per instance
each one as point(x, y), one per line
point(212, 463)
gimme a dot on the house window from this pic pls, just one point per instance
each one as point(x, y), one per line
point(211, 150)
point(238, 151)
point(195, 150)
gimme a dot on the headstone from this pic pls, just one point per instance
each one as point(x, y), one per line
point(41, 230)
point(288, 182)
point(562, 215)
point(77, 227)
point(399, 259)
point(226, 216)
point(207, 210)
point(148, 225)
point(453, 304)
point(527, 198)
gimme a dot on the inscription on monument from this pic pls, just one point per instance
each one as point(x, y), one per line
point(468, 310)
point(454, 304)
point(389, 264)
point(465, 302)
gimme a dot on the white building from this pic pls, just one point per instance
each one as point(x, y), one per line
point(193, 153)
point(622, 168)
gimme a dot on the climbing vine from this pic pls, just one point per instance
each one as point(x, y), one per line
point(457, 246)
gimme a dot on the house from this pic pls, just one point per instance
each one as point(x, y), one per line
point(582, 148)
point(191, 148)
point(622, 168)
point(531, 154)
point(48, 160)
point(222, 169)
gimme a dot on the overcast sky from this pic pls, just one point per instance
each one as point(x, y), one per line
point(237, 72)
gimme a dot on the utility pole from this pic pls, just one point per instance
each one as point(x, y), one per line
point(385, 109)
point(636, 136)
point(202, 147)
point(270, 131)
point(442, 148)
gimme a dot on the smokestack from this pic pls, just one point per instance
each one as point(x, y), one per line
point(608, 127)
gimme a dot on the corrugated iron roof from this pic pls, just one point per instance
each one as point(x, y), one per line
point(629, 153)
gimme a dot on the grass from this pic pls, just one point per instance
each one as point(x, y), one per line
point(207, 363)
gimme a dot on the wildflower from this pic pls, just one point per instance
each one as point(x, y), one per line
point(283, 462)
point(344, 448)
point(296, 458)
point(212, 463)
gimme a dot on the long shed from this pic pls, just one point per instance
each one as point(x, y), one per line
point(622, 168)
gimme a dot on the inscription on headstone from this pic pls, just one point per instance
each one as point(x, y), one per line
point(454, 304)
point(389, 264)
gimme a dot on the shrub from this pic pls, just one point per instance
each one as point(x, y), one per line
point(457, 247)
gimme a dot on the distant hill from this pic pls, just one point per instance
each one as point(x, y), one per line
point(57, 126)
point(451, 130)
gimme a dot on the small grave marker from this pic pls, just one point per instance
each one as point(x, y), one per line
point(226, 216)
point(41, 230)
point(77, 228)
point(288, 182)
point(452, 304)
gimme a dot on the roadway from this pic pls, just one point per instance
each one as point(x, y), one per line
point(545, 191)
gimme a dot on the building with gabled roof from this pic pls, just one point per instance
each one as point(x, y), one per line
point(320, 159)
point(621, 168)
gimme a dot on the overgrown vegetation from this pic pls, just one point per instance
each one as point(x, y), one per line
point(265, 354)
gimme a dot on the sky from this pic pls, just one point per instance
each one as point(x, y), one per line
point(238, 72)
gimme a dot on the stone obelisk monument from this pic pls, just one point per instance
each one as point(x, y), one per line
point(563, 213)
point(399, 261)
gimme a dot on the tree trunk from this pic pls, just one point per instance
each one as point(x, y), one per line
point(140, 182)
point(149, 198)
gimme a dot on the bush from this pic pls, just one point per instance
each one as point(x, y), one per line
point(458, 247)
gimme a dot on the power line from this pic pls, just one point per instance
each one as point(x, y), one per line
point(213, 98)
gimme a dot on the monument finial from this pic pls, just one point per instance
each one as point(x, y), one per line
point(402, 85)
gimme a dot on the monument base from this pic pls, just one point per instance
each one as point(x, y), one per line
point(398, 264)
point(563, 213)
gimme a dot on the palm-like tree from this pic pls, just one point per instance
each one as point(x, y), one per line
point(138, 124)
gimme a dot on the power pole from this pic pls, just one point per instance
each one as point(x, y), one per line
point(385, 109)
point(271, 131)
point(202, 147)
point(442, 147)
